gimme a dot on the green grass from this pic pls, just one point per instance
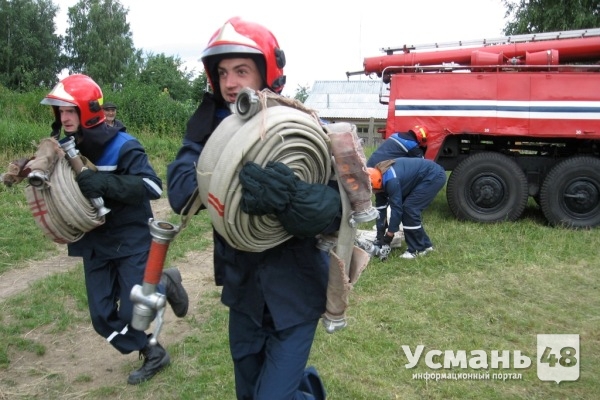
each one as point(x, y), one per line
point(485, 287)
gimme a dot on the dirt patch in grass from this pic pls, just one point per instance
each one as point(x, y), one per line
point(79, 360)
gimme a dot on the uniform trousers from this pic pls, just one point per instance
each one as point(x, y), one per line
point(269, 364)
point(108, 284)
point(414, 204)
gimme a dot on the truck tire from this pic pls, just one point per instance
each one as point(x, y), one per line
point(570, 194)
point(487, 187)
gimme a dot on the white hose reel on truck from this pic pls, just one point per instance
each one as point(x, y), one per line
point(268, 127)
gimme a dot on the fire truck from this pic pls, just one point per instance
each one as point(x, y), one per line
point(512, 118)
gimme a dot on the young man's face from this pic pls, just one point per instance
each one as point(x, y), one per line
point(236, 74)
point(69, 118)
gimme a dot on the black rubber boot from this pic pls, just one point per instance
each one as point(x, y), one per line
point(176, 294)
point(155, 359)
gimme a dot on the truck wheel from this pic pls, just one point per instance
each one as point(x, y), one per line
point(487, 187)
point(570, 194)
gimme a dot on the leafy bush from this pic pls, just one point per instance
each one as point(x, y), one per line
point(144, 109)
point(25, 107)
point(20, 138)
point(141, 108)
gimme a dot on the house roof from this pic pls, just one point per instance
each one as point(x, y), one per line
point(347, 100)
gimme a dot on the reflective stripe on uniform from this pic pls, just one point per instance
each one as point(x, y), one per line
point(115, 333)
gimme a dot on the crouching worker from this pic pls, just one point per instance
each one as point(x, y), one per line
point(407, 186)
point(115, 253)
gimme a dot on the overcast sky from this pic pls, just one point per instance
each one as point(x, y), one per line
point(322, 40)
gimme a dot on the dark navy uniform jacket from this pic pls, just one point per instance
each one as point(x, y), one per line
point(398, 145)
point(118, 124)
point(290, 279)
point(126, 230)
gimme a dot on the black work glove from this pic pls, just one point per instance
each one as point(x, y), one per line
point(92, 184)
point(127, 189)
point(303, 209)
point(311, 210)
point(266, 190)
point(387, 239)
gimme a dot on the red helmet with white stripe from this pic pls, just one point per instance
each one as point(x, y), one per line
point(245, 39)
point(79, 91)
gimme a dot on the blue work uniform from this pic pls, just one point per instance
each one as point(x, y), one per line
point(275, 297)
point(115, 253)
point(409, 186)
point(397, 145)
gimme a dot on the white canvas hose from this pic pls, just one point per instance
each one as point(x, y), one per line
point(59, 208)
point(277, 133)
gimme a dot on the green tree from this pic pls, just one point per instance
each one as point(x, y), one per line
point(199, 87)
point(98, 41)
point(302, 93)
point(29, 49)
point(168, 75)
point(532, 16)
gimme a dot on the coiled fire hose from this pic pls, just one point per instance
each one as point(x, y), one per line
point(268, 128)
point(59, 208)
point(278, 133)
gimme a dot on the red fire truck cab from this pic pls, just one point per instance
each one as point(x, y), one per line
point(512, 118)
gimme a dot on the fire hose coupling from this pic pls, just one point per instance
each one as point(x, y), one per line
point(326, 243)
point(162, 231)
point(38, 179)
point(373, 250)
point(148, 303)
point(367, 215)
point(247, 103)
point(334, 325)
point(384, 252)
point(72, 154)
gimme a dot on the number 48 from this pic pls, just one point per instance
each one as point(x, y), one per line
point(567, 357)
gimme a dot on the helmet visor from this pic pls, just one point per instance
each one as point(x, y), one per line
point(55, 102)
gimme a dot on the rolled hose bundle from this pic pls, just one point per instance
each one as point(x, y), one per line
point(277, 133)
point(59, 208)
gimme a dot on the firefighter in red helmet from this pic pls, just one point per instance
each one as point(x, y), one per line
point(401, 144)
point(273, 309)
point(115, 253)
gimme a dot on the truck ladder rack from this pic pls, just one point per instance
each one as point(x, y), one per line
point(532, 37)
